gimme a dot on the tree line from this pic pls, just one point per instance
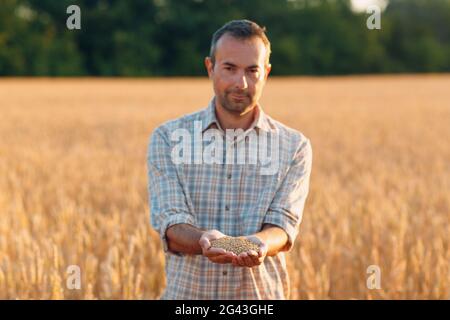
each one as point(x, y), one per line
point(172, 37)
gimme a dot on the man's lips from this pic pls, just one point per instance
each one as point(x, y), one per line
point(238, 96)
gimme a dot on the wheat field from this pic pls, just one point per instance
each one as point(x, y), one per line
point(73, 184)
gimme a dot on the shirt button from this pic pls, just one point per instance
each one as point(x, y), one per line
point(224, 273)
point(227, 208)
point(229, 176)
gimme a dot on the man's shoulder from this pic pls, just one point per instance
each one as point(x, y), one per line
point(294, 145)
point(295, 137)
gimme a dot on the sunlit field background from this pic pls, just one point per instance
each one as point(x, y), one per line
point(73, 184)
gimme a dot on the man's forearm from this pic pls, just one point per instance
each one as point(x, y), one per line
point(184, 238)
point(275, 238)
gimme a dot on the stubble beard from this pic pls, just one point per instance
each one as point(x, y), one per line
point(236, 107)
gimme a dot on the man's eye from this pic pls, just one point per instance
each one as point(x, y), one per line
point(254, 70)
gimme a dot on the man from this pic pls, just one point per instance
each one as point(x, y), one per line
point(196, 201)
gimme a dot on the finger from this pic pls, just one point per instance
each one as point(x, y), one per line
point(234, 261)
point(262, 250)
point(254, 256)
point(216, 255)
point(248, 261)
point(252, 253)
point(232, 255)
point(240, 261)
point(221, 259)
point(216, 251)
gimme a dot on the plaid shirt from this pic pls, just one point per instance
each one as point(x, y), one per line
point(233, 198)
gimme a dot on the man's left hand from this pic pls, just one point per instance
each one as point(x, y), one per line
point(251, 258)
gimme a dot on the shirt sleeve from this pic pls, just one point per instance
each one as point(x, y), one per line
point(168, 201)
point(286, 209)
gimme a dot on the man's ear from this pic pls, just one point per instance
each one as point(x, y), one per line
point(209, 66)
point(268, 67)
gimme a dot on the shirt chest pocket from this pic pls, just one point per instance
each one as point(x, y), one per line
point(259, 179)
point(256, 192)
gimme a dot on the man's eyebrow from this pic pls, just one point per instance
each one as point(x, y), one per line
point(229, 64)
point(253, 66)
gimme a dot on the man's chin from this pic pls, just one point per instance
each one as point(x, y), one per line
point(238, 107)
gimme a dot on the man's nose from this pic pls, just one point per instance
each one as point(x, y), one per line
point(241, 81)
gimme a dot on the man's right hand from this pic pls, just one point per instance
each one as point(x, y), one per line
point(216, 255)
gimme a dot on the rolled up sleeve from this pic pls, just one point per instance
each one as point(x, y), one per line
point(168, 202)
point(286, 209)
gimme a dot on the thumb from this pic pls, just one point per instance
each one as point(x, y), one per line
point(204, 243)
point(263, 250)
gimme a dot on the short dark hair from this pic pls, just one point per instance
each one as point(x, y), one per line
point(240, 29)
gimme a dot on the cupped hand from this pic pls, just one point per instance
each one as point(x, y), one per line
point(216, 255)
point(251, 258)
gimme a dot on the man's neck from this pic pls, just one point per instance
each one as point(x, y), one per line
point(229, 120)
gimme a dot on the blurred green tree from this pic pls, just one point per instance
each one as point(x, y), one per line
point(172, 37)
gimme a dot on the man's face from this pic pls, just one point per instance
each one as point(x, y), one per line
point(239, 73)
